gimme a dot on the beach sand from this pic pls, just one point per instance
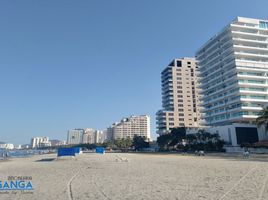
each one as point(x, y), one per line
point(116, 176)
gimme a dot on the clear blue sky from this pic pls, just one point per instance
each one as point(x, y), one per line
point(75, 64)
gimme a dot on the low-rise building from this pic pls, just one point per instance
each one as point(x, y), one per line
point(6, 146)
point(37, 142)
point(57, 142)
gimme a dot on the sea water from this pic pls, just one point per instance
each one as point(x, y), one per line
point(18, 153)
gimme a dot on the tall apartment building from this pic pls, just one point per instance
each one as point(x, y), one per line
point(234, 72)
point(92, 136)
point(75, 136)
point(100, 136)
point(89, 136)
point(180, 96)
point(131, 126)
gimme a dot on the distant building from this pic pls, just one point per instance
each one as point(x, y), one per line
point(6, 146)
point(17, 146)
point(180, 96)
point(57, 143)
point(92, 136)
point(89, 136)
point(100, 136)
point(75, 136)
point(25, 146)
point(109, 133)
point(131, 126)
point(37, 142)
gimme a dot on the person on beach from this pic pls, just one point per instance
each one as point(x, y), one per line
point(246, 153)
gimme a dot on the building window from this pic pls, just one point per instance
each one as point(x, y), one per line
point(263, 24)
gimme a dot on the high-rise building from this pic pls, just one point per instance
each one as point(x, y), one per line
point(75, 136)
point(234, 72)
point(180, 96)
point(100, 136)
point(131, 126)
point(92, 136)
point(89, 136)
point(109, 133)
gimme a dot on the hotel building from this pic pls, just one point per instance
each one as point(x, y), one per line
point(234, 72)
point(131, 126)
point(180, 96)
point(234, 80)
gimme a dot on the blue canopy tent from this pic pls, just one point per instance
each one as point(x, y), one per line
point(66, 152)
point(100, 150)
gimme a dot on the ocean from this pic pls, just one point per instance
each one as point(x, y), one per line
point(20, 153)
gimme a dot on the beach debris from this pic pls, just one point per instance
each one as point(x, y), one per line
point(121, 159)
point(199, 153)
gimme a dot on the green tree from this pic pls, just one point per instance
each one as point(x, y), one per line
point(124, 143)
point(263, 118)
point(163, 141)
point(173, 139)
point(177, 135)
point(204, 140)
point(139, 142)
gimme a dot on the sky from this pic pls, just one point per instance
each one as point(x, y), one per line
point(68, 64)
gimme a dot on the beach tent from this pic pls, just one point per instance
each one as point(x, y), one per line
point(66, 151)
point(100, 150)
point(77, 150)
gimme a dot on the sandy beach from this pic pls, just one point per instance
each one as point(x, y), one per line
point(140, 176)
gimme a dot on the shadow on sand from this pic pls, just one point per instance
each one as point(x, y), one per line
point(46, 160)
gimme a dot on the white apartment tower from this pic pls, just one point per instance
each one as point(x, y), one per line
point(180, 96)
point(131, 126)
point(234, 72)
point(75, 136)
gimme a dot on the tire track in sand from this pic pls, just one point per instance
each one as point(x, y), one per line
point(263, 186)
point(237, 183)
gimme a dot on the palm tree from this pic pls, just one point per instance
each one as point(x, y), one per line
point(263, 118)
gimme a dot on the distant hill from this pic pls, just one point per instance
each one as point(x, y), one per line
point(2, 142)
